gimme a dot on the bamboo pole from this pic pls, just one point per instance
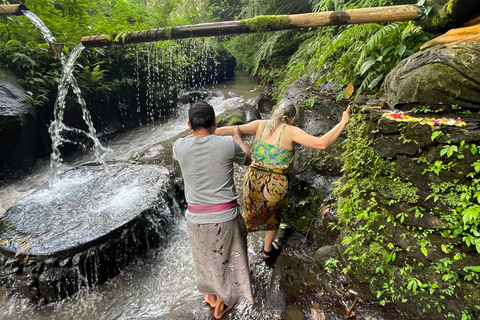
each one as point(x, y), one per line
point(261, 24)
point(12, 9)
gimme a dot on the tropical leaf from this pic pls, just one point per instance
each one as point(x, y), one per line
point(349, 90)
point(366, 65)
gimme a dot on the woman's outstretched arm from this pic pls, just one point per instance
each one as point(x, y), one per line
point(249, 128)
point(301, 137)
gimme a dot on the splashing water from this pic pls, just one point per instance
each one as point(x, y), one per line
point(47, 35)
point(57, 126)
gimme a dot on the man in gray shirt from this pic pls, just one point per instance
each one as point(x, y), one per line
point(216, 231)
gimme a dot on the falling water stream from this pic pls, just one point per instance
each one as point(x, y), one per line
point(58, 128)
point(47, 35)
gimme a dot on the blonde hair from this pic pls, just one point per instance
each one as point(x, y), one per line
point(280, 115)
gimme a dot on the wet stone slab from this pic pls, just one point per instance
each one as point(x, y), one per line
point(85, 228)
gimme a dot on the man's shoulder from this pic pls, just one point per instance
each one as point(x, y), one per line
point(180, 143)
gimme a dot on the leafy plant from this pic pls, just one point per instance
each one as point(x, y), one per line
point(331, 265)
point(425, 109)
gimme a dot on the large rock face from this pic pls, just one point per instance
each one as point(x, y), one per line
point(84, 229)
point(446, 75)
point(242, 112)
point(19, 138)
point(405, 203)
point(313, 171)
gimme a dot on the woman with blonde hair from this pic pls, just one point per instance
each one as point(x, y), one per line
point(265, 184)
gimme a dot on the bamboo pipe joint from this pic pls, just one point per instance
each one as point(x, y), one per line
point(12, 9)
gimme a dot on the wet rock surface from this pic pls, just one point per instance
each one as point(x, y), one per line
point(19, 136)
point(85, 228)
point(413, 150)
point(313, 172)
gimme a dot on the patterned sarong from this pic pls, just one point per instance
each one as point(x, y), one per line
point(265, 187)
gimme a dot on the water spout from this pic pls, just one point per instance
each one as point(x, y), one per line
point(12, 9)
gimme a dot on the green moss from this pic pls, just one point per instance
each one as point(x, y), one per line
point(168, 32)
point(445, 15)
point(235, 120)
point(266, 23)
point(450, 6)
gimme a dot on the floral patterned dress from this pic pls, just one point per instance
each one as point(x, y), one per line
point(266, 185)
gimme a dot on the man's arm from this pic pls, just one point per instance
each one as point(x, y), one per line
point(238, 138)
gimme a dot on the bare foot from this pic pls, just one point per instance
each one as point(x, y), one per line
point(221, 309)
point(210, 299)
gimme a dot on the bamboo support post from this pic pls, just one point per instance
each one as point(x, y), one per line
point(12, 9)
point(261, 24)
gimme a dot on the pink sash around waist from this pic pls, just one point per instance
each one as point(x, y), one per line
point(208, 208)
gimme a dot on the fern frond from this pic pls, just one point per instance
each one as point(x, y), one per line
point(365, 83)
point(266, 49)
point(380, 35)
point(340, 5)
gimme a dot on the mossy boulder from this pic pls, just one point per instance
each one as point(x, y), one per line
point(240, 113)
point(437, 76)
point(448, 14)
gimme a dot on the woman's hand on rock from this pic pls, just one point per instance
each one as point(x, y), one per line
point(346, 114)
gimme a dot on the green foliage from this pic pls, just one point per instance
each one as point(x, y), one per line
point(340, 5)
point(224, 10)
point(365, 199)
point(331, 265)
point(275, 7)
point(359, 54)
point(425, 109)
point(23, 51)
point(266, 55)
